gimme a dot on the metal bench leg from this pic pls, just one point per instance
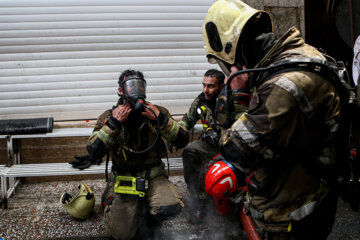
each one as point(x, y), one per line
point(4, 192)
point(10, 151)
point(13, 148)
point(13, 182)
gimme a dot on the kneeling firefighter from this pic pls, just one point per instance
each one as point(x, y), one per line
point(285, 142)
point(138, 194)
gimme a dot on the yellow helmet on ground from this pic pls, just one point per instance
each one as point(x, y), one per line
point(82, 204)
point(224, 25)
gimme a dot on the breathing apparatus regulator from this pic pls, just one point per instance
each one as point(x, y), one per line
point(134, 88)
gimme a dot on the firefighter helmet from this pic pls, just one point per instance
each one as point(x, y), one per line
point(81, 205)
point(224, 25)
point(221, 180)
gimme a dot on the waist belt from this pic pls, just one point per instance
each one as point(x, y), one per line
point(154, 172)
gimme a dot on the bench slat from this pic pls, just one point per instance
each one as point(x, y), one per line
point(55, 169)
point(61, 132)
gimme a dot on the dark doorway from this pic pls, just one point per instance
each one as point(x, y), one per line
point(333, 25)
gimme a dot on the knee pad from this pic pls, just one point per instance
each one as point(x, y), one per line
point(190, 153)
point(168, 212)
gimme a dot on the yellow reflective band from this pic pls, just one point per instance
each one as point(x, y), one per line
point(124, 154)
point(184, 124)
point(173, 131)
point(243, 117)
point(203, 109)
point(289, 227)
point(93, 134)
point(105, 138)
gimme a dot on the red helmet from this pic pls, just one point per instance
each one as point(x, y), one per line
point(220, 180)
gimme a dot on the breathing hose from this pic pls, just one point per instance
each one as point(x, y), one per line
point(224, 106)
point(156, 138)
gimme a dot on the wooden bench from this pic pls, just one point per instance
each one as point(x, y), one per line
point(56, 169)
point(13, 169)
point(16, 169)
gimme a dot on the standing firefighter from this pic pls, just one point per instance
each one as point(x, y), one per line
point(198, 152)
point(284, 141)
point(139, 193)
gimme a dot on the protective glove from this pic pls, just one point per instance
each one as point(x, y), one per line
point(211, 137)
point(84, 161)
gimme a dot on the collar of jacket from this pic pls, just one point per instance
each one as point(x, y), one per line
point(291, 39)
point(208, 103)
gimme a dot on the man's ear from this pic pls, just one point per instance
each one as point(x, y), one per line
point(120, 91)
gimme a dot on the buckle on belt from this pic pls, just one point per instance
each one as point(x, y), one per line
point(131, 185)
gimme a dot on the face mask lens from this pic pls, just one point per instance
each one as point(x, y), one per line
point(135, 88)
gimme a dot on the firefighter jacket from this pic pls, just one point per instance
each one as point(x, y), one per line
point(136, 133)
point(284, 136)
point(206, 116)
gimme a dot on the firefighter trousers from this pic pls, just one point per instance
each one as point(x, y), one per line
point(125, 213)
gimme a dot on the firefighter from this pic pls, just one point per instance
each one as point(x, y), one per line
point(198, 152)
point(139, 194)
point(285, 138)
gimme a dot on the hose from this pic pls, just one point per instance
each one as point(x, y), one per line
point(157, 135)
point(249, 226)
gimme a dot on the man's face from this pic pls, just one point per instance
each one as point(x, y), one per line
point(211, 88)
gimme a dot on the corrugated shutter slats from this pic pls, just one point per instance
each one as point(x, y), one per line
point(63, 58)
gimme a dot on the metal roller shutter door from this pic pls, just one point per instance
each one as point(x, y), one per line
point(62, 59)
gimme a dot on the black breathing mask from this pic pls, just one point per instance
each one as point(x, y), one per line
point(134, 89)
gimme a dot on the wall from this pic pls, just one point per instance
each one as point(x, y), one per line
point(285, 13)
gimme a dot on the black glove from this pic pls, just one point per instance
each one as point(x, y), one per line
point(170, 147)
point(211, 137)
point(84, 161)
point(211, 162)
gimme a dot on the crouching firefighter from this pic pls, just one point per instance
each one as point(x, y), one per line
point(285, 142)
point(138, 194)
point(198, 152)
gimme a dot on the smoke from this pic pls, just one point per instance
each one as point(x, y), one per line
point(213, 226)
